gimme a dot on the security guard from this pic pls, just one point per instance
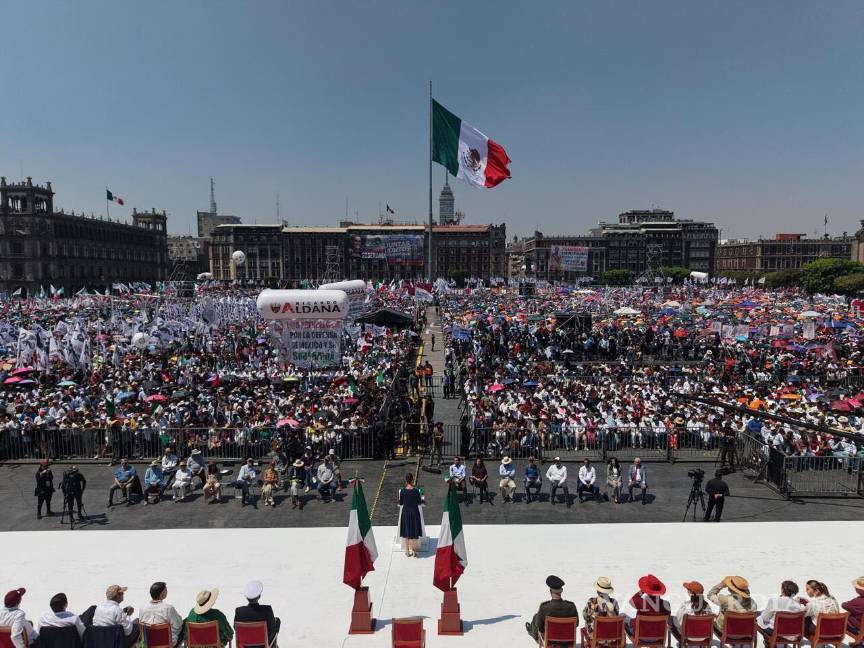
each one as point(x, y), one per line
point(556, 607)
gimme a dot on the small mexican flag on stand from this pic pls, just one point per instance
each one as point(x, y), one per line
point(466, 152)
point(451, 558)
point(360, 549)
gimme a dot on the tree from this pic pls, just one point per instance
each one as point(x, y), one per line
point(616, 278)
point(783, 279)
point(677, 273)
point(850, 284)
point(819, 275)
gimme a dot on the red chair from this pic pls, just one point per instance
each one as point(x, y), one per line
point(408, 633)
point(608, 633)
point(788, 630)
point(203, 635)
point(696, 630)
point(157, 635)
point(830, 630)
point(252, 634)
point(857, 639)
point(651, 631)
point(559, 631)
point(739, 628)
point(6, 637)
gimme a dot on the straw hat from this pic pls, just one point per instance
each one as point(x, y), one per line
point(205, 599)
point(738, 585)
point(603, 585)
point(506, 460)
point(155, 463)
point(858, 583)
point(298, 464)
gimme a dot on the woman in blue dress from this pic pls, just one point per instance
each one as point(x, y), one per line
point(410, 527)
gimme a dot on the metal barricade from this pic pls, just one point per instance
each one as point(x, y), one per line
point(822, 475)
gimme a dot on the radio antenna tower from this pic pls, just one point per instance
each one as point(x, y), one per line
point(212, 197)
point(332, 264)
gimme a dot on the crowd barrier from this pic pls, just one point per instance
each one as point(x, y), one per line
point(214, 443)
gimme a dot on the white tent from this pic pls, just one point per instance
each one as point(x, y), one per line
point(626, 310)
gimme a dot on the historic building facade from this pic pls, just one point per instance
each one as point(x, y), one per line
point(783, 252)
point(40, 247)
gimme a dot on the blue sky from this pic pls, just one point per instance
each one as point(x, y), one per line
point(745, 113)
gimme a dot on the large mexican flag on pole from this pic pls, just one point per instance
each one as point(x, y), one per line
point(360, 549)
point(466, 152)
point(451, 557)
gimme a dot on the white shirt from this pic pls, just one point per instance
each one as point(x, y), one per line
point(109, 613)
point(169, 461)
point(61, 620)
point(17, 620)
point(557, 474)
point(156, 612)
point(182, 476)
point(587, 475)
point(777, 604)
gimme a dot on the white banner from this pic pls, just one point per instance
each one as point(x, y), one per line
point(309, 344)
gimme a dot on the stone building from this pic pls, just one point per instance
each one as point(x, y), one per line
point(783, 252)
point(40, 247)
point(208, 221)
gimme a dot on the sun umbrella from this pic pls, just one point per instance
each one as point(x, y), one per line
point(791, 397)
point(810, 313)
point(180, 393)
point(287, 421)
point(12, 380)
point(156, 398)
point(23, 370)
point(67, 383)
point(626, 310)
point(27, 382)
point(530, 383)
point(291, 379)
point(495, 387)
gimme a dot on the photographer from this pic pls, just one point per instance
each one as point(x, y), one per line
point(717, 490)
point(73, 486)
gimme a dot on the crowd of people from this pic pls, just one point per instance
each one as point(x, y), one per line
point(116, 624)
point(537, 378)
point(732, 594)
point(108, 377)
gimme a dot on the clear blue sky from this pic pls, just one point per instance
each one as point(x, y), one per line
point(746, 113)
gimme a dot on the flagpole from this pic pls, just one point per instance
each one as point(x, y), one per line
point(429, 250)
point(107, 208)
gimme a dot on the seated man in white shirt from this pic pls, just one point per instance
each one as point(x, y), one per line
point(182, 482)
point(245, 480)
point(457, 473)
point(157, 611)
point(109, 613)
point(59, 617)
point(587, 477)
point(169, 465)
point(557, 476)
point(786, 602)
point(196, 467)
point(11, 616)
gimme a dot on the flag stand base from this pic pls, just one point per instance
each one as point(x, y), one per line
point(361, 614)
point(450, 622)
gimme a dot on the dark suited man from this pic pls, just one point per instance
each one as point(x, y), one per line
point(555, 607)
point(727, 447)
point(254, 611)
point(73, 486)
point(717, 490)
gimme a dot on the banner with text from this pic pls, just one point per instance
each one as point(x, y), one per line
point(397, 249)
point(309, 344)
point(568, 258)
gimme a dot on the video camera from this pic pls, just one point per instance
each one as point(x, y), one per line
point(697, 475)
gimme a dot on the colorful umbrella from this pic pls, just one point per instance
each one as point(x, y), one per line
point(156, 398)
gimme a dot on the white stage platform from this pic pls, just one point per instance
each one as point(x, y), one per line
point(302, 570)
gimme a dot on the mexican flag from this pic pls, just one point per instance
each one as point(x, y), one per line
point(360, 549)
point(113, 197)
point(466, 152)
point(450, 557)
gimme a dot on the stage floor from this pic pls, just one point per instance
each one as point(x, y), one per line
point(302, 570)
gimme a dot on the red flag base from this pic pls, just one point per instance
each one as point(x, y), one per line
point(450, 622)
point(361, 614)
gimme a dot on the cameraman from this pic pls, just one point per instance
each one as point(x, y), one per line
point(717, 490)
point(73, 486)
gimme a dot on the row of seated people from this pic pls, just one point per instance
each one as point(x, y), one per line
point(111, 624)
point(727, 610)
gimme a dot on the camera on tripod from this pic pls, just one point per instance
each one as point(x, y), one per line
point(697, 475)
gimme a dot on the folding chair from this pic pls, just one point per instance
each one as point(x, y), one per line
point(788, 630)
point(6, 637)
point(608, 633)
point(63, 637)
point(252, 634)
point(157, 635)
point(830, 630)
point(739, 629)
point(651, 631)
point(696, 630)
point(203, 635)
point(857, 638)
point(559, 632)
point(408, 633)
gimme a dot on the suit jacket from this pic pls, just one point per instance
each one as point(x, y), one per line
point(642, 470)
point(258, 612)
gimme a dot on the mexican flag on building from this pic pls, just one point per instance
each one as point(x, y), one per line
point(360, 549)
point(450, 557)
point(466, 152)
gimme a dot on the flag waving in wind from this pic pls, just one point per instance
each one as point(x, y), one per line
point(466, 152)
point(113, 197)
point(451, 557)
point(360, 549)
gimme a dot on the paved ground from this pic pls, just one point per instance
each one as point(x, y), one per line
point(667, 498)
